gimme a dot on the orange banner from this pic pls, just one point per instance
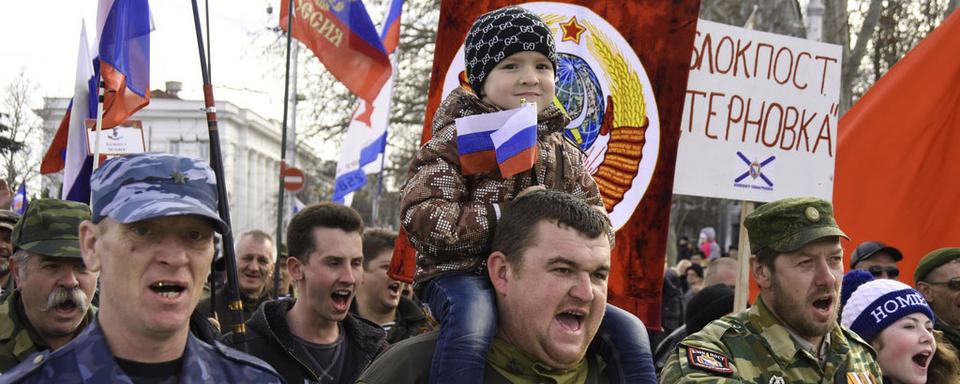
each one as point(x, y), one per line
point(898, 166)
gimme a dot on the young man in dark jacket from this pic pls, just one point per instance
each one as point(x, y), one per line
point(379, 298)
point(314, 337)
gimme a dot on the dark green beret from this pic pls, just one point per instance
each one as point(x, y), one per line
point(787, 225)
point(933, 260)
point(51, 227)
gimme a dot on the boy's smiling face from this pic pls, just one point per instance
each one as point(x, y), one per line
point(525, 75)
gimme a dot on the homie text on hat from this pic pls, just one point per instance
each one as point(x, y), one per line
point(873, 305)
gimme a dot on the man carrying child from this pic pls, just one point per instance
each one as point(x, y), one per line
point(451, 217)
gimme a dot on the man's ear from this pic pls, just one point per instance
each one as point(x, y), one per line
point(295, 268)
point(499, 270)
point(89, 236)
point(15, 271)
point(925, 290)
point(761, 273)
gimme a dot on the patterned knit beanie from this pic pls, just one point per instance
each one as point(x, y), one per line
point(872, 305)
point(498, 34)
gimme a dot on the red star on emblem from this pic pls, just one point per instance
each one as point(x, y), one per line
point(367, 112)
point(572, 30)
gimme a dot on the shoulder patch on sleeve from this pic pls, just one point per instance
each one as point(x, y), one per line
point(708, 361)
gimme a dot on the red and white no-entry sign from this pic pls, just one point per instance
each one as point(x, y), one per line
point(293, 179)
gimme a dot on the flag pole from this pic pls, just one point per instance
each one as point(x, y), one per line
point(211, 279)
point(216, 160)
point(741, 295)
point(375, 204)
point(99, 126)
point(283, 151)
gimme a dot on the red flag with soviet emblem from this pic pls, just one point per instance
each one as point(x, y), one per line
point(621, 77)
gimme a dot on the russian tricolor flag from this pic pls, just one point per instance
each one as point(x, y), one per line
point(390, 32)
point(68, 151)
point(53, 160)
point(343, 37)
point(365, 143)
point(506, 140)
point(20, 202)
point(124, 56)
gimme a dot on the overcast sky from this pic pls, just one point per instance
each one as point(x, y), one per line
point(41, 38)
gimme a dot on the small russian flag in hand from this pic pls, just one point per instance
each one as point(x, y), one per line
point(506, 140)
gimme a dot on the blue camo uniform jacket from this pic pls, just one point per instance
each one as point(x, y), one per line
point(87, 359)
point(753, 347)
point(18, 339)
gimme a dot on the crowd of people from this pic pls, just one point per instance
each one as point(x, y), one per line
point(511, 281)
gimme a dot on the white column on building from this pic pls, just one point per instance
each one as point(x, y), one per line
point(257, 188)
point(251, 187)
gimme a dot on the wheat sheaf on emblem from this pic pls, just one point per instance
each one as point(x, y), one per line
point(625, 119)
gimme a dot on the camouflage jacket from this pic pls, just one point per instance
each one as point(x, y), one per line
point(409, 362)
point(450, 218)
point(18, 340)
point(753, 347)
point(952, 334)
point(87, 359)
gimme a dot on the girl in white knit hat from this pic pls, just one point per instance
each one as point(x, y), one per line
point(895, 319)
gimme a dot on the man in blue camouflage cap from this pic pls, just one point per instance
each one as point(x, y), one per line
point(151, 237)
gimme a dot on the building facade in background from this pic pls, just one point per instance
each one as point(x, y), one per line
point(250, 144)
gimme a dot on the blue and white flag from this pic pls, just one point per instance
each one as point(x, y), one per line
point(20, 201)
point(296, 206)
point(78, 163)
point(363, 147)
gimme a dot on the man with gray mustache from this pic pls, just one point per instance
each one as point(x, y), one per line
point(52, 301)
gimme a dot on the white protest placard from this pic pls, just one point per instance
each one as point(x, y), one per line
point(123, 139)
point(760, 116)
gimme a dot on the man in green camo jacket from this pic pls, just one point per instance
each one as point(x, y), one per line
point(52, 301)
point(790, 335)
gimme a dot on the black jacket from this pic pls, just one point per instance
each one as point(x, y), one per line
point(268, 337)
point(411, 320)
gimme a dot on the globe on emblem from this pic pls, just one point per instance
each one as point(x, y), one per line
point(578, 90)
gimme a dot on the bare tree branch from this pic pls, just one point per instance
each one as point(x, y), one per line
point(866, 30)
